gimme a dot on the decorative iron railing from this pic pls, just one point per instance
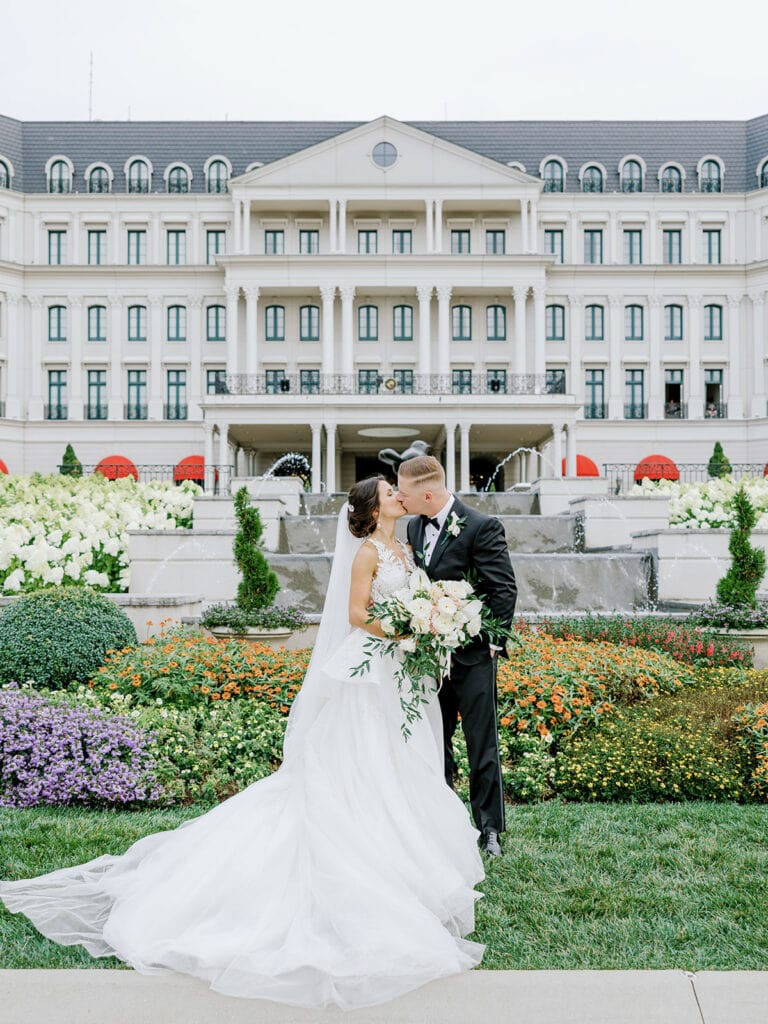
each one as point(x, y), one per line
point(240, 384)
point(624, 475)
point(56, 412)
point(216, 479)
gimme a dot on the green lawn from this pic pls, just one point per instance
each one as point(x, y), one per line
point(579, 886)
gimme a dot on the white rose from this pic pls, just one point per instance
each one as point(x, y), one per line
point(408, 645)
point(387, 625)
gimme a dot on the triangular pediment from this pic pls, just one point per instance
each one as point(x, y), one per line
point(422, 160)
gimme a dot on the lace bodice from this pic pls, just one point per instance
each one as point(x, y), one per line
point(391, 572)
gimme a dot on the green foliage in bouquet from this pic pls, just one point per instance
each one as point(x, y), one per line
point(719, 465)
point(738, 587)
point(70, 464)
point(59, 635)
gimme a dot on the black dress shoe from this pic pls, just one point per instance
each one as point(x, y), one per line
point(489, 843)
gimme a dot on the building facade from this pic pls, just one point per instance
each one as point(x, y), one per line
point(239, 290)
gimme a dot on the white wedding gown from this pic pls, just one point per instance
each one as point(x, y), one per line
point(345, 877)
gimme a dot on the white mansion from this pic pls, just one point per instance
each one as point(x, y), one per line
point(238, 290)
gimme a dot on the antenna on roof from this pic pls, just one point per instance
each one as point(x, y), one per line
point(90, 90)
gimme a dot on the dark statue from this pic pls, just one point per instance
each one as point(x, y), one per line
point(394, 459)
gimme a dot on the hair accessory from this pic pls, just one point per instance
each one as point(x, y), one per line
point(350, 508)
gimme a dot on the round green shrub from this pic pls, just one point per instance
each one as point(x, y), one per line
point(59, 635)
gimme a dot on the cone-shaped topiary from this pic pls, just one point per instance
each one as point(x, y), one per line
point(259, 583)
point(719, 464)
point(70, 464)
point(738, 588)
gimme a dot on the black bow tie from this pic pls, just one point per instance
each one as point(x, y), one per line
point(428, 521)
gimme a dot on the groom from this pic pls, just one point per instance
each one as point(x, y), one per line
point(450, 540)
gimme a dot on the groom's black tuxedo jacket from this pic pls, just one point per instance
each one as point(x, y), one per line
point(480, 549)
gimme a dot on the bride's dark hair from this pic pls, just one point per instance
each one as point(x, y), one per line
point(363, 500)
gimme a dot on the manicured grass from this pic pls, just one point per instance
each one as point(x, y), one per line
point(580, 886)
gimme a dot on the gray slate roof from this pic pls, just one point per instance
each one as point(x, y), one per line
point(742, 145)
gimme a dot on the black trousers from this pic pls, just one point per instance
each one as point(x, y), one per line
point(470, 691)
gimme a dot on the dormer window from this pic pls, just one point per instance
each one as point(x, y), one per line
point(98, 180)
point(178, 180)
point(5, 175)
point(138, 176)
point(59, 177)
point(763, 175)
point(553, 176)
point(671, 180)
point(592, 180)
point(710, 179)
point(632, 177)
point(217, 177)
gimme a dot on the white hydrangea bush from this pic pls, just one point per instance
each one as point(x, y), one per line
point(708, 504)
point(65, 529)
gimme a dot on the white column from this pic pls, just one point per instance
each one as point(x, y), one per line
point(450, 456)
point(653, 240)
point(35, 404)
point(333, 214)
point(444, 329)
point(570, 449)
point(223, 458)
point(733, 341)
point(347, 329)
point(237, 224)
point(14, 364)
point(317, 465)
point(758, 246)
point(115, 335)
point(576, 385)
point(731, 248)
point(430, 225)
point(251, 330)
point(328, 296)
point(155, 408)
point(539, 337)
point(523, 470)
point(75, 378)
point(464, 457)
point(758, 405)
point(157, 254)
point(524, 223)
point(246, 230)
point(520, 293)
point(233, 341)
point(615, 381)
point(424, 293)
point(37, 239)
point(208, 455)
point(115, 239)
point(695, 382)
point(533, 227)
point(692, 240)
point(195, 367)
point(557, 449)
point(75, 257)
point(576, 249)
point(655, 383)
point(194, 256)
point(330, 458)
point(438, 238)
point(613, 252)
point(342, 225)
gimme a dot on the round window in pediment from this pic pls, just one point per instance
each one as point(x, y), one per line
point(384, 154)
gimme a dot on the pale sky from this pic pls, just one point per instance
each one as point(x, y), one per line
point(354, 60)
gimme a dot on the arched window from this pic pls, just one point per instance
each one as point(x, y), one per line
point(177, 323)
point(713, 322)
point(462, 323)
point(138, 176)
point(592, 180)
point(402, 323)
point(671, 180)
point(218, 175)
point(309, 323)
point(631, 177)
point(710, 179)
point(274, 323)
point(137, 323)
point(555, 323)
point(633, 323)
point(594, 323)
point(98, 180)
point(216, 321)
point(5, 175)
point(178, 180)
point(553, 176)
point(368, 323)
point(59, 177)
point(57, 323)
point(673, 323)
point(763, 175)
point(496, 323)
point(97, 323)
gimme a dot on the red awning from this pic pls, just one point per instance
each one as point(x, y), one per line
point(114, 467)
point(3, 467)
point(584, 466)
point(190, 468)
point(656, 467)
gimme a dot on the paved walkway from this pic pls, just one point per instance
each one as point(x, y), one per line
point(485, 997)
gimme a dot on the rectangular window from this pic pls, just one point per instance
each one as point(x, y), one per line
point(309, 242)
point(176, 405)
point(633, 246)
point(404, 379)
point(713, 395)
point(633, 323)
point(461, 382)
point(673, 323)
point(309, 323)
point(594, 323)
point(555, 323)
point(177, 323)
point(554, 243)
point(136, 409)
point(593, 245)
point(462, 323)
point(368, 382)
point(176, 248)
point(460, 242)
point(216, 382)
point(402, 323)
point(674, 408)
point(367, 242)
point(402, 242)
point(57, 395)
point(594, 395)
point(673, 246)
point(712, 248)
point(276, 383)
point(634, 395)
point(97, 395)
point(309, 382)
point(495, 242)
point(97, 247)
point(57, 323)
point(274, 243)
point(216, 323)
point(137, 323)
point(713, 323)
point(496, 323)
point(97, 323)
point(215, 242)
point(275, 323)
point(496, 381)
point(368, 323)
point(555, 382)
point(57, 247)
point(137, 247)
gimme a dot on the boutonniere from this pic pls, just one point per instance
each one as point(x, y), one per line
point(455, 524)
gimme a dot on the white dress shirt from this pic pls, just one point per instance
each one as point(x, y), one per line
point(431, 533)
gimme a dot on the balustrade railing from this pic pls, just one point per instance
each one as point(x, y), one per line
point(240, 384)
point(624, 475)
point(215, 479)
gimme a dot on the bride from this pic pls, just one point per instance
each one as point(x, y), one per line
point(345, 877)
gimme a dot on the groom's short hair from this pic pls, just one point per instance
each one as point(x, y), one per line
point(423, 470)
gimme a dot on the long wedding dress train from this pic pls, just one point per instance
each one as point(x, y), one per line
point(345, 877)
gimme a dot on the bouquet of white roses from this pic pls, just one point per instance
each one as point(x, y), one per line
point(425, 622)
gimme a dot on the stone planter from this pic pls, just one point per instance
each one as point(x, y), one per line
point(757, 638)
point(254, 635)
